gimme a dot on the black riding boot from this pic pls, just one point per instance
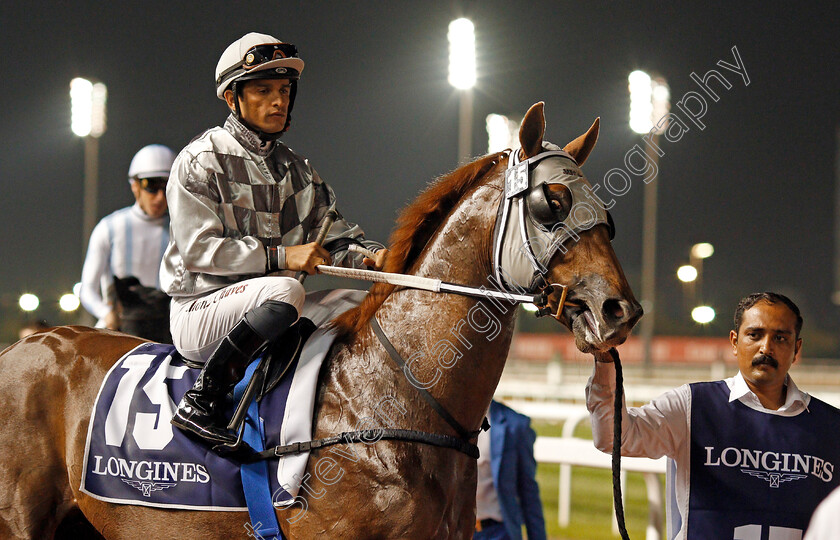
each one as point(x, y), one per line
point(200, 411)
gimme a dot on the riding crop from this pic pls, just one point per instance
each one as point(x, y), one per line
point(322, 234)
point(422, 283)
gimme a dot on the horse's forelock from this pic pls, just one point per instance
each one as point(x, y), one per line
point(416, 225)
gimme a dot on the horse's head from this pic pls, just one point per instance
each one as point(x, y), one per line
point(548, 225)
point(552, 225)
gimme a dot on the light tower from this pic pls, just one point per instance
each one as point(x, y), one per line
point(462, 76)
point(649, 102)
point(87, 120)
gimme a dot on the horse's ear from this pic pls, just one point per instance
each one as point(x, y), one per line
point(532, 130)
point(583, 145)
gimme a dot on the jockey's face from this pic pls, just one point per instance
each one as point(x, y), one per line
point(153, 203)
point(264, 103)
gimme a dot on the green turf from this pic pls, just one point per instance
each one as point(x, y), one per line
point(591, 510)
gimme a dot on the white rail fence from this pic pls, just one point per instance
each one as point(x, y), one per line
point(558, 383)
point(570, 451)
point(573, 451)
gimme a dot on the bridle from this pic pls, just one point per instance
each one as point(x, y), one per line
point(523, 219)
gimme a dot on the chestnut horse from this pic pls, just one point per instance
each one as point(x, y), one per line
point(386, 489)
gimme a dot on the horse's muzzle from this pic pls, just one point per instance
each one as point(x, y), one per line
point(599, 316)
point(620, 316)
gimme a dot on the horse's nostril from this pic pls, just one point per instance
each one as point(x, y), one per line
point(613, 310)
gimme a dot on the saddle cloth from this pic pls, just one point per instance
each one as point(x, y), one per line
point(133, 455)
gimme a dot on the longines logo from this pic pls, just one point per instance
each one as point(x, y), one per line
point(774, 478)
point(150, 476)
point(148, 487)
point(772, 467)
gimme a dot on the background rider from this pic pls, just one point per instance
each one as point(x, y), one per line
point(128, 245)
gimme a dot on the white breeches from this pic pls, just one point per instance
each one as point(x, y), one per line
point(199, 324)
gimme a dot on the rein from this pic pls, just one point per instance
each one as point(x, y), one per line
point(461, 443)
point(437, 286)
point(464, 435)
point(618, 400)
point(367, 436)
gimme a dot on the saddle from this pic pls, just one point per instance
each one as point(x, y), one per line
point(284, 353)
point(271, 366)
point(278, 358)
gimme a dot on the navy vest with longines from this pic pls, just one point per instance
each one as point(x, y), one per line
point(753, 471)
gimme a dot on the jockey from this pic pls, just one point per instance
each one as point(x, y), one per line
point(127, 246)
point(245, 212)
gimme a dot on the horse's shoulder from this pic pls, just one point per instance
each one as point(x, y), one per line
point(341, 374)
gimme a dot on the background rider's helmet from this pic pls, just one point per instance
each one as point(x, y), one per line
point(258, 56)
point(151, 162)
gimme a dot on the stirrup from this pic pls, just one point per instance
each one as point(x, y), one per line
point(237, 421)
point(239, 449)
point(194, 430)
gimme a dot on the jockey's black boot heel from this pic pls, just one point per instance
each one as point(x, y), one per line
point(200, 411)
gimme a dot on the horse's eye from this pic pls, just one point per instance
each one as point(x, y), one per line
point(560, 199)
point(550, 203)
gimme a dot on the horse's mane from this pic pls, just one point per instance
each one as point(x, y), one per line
point(416, 225)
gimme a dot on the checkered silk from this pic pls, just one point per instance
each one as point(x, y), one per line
point(233, 201)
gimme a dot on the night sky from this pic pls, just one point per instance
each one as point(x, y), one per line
point(378, 119)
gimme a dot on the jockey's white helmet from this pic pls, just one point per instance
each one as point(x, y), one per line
point(257, 56)
point(152, 161)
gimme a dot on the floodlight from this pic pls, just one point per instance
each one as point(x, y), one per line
point(703, 314)
point(649, 102)
point(28, 302)
point(686, 273)
point(68, 302)
point(703, 250)
point(461, 54)
point(87, 107)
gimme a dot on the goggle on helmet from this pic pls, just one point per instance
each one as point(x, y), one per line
point(262, 61)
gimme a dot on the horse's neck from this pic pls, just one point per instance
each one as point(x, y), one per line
point(461, 252)
point(455, 344)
